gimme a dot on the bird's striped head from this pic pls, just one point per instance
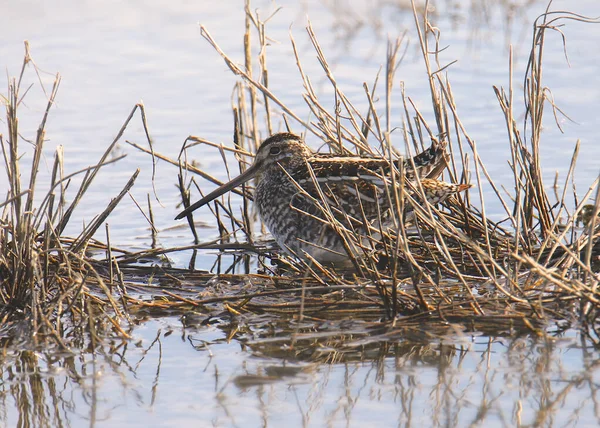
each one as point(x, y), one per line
point(281, 149)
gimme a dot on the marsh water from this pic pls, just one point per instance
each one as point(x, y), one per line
point(178, 372)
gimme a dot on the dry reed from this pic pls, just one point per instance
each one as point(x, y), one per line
point(457, 261)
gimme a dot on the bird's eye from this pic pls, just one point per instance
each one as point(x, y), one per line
point(275, 150)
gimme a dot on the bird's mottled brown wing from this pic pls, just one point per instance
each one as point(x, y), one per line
point(355, 186)
point(428, 164)
point(352, 189)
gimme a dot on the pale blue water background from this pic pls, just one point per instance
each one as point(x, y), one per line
point(114, 54)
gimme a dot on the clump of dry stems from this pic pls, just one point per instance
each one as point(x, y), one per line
point(456, 261)
point(454, 265)
point(44, 276)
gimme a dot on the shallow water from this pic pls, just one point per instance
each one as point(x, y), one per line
point(113, 54)
point(171, 376)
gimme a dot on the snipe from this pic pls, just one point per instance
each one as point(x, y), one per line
point(294, 184)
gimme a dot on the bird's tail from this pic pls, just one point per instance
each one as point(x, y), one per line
point(428, 164)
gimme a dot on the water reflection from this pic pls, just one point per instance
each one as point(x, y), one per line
point(453, 382)
point(229, 374)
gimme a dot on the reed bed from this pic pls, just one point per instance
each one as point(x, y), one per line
point(538, 264)
point(451, 269)
point(44, 276)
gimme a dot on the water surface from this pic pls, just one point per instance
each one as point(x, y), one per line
point(113, 54)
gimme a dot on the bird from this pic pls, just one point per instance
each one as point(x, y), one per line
point(299, 192)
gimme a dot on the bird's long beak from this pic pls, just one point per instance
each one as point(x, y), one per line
point(240, 179)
